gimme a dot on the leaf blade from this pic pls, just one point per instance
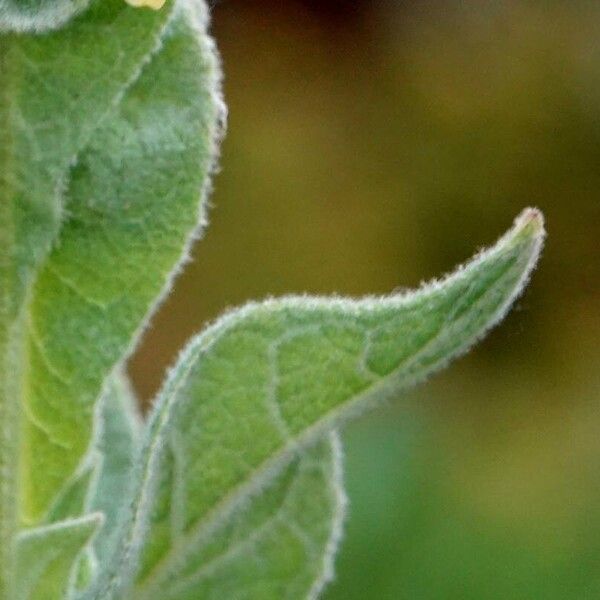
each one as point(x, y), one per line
point(56, 88)
point(270, 379)
point(117, 443)
point(280, 545)
point(41, 81)
point(134, 202)
point(46, 557)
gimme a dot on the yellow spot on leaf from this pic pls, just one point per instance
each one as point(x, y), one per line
point(153, 4)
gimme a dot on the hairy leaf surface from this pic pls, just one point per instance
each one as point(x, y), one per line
point(131, 205)
point(55, 89)
point(279, 545)
point(117, 442)
point(37, 15)
point(268, 380)
point(46, 557)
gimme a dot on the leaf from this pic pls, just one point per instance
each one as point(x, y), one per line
point(104, 482)
point(117, 443)
point(130, 208)
point(279, 544)
point(74, 497)
point(16, 15)
point(56, 90)
point(46, 556)
point(270, 379)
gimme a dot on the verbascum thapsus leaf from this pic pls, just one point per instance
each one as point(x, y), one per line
point(46, 556)
point(109, 123)
point(117, 443)
point(37, 15)
point(264, 383)
point(109, 127)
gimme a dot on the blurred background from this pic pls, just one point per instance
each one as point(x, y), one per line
point(373, 144)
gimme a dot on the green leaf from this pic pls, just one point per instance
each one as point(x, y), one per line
point(37, 15)
point(270, 379)
point(46, 556)
point(74, 497)
point(104, 483)
point(117, 443)
point(127, 211)
point(55, 91)
point(279, 544)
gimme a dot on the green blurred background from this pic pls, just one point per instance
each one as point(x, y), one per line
point(375, 144)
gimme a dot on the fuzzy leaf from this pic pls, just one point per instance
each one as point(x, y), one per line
point(117, 444)
point(104, 484)
point(37, 15)
point(270, 379)
point(56, 90)
point(46, 556)
point(74, 498)
point(279, 544)
point(130, 208)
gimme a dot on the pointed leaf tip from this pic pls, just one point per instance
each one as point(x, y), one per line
point(533, 214)
point(529, 231)
point(531, 223)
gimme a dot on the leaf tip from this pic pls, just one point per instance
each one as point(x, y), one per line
point(532, 221)
point(527, 235)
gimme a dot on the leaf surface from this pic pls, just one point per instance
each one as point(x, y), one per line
point(104, 483)
point(268, 380)
point(117, 443)
point(131, 206)
point(37, 15)
point(46, 557)
point(55, 90)
point(279, 545)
